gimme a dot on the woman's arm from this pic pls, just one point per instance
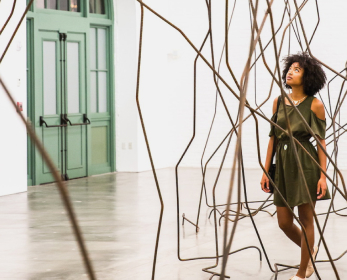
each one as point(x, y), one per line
point(318, 108)
point(269, 153)
point(265, 184)
point(322, 183)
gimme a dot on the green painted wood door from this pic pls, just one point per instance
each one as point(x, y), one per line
point(70, 81)
point(61, 103)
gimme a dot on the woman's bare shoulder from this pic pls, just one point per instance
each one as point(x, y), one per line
point(274, 105)
point(317, 107)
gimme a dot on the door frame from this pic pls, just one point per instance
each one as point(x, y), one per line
point(30, 89)
point(45, 19)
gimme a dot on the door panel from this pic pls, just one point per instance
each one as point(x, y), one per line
point(102, 92)
point(49, 57)
point(75, 156)
point(52, 144)
point(93, 92)
point(99, 145)
point(101, 131)
point(61, 102)
point(76, 105)
point(48, 101)
point(73, 77)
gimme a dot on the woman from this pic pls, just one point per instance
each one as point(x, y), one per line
point(305, 77)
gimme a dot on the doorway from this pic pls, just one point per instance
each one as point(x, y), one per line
point(63, 117)
point(71, 96)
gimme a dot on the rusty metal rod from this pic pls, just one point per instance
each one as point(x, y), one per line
point(147, 143)
point(9, 17)
point(15, 31)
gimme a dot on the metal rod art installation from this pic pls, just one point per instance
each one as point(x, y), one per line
point(238, 173)
point(295, 25)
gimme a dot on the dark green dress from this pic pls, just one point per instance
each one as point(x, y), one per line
point(287, 176)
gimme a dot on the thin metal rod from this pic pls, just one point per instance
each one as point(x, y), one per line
point(242, 86)
point(9, 17)
point(147, 143)
point(15, 31)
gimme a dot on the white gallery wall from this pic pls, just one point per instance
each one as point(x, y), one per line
point(167, 83)
point(125, 43)
point(13, 141)
point(167, 79)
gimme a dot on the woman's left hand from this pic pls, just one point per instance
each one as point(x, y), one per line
point(321, 188)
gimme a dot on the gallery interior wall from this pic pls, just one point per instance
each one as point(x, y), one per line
point(166, 85)
point(13, 141)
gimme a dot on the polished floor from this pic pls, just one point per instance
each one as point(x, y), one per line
point(118, 214)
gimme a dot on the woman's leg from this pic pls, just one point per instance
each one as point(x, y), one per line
point(306, 218)
point(285, 222)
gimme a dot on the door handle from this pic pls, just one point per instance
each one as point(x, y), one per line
point(86, 121)
point(42, 122)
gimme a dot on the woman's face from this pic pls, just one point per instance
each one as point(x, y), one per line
point(295, 75)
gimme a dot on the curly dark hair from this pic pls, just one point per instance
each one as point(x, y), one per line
point(314, 77)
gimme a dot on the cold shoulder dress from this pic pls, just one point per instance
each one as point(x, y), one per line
point(287, 176)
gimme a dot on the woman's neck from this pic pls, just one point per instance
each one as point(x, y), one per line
point(298, 93)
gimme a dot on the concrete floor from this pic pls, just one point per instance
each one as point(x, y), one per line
point(118, 214)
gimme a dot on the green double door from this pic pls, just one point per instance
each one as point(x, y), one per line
point(61, 117)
